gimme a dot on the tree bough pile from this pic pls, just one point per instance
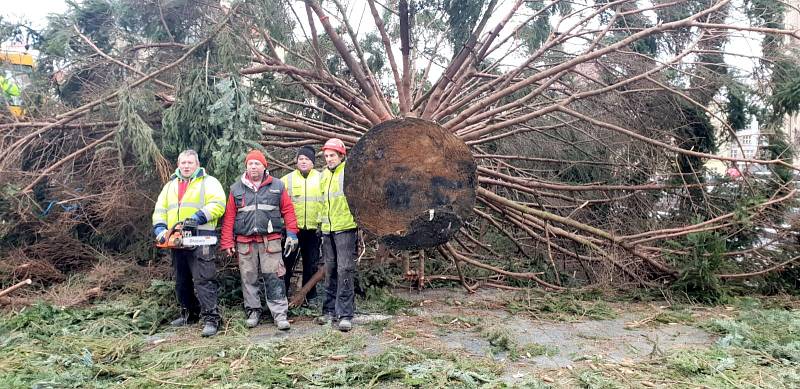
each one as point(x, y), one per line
point(590, 124)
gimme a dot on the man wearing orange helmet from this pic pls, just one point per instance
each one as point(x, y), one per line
point(338, 240)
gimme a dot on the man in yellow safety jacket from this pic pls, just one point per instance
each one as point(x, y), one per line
point(339, 240)
point(303, 187)
point(9, 88)
point(192, 194)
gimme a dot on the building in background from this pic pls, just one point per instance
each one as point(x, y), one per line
point(752, 139)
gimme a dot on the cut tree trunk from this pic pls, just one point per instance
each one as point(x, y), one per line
point(410, 183)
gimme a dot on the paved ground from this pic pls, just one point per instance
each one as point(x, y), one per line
point(449, 319)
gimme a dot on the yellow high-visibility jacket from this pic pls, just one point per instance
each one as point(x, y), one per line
point(9, 87)
point(204, 193)
point(306, 197)
point(335, 214)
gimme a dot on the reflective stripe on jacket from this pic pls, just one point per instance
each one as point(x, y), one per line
point(306, 197)
point(257, 212)
point(204, 193)
point(228, 239)
point(335, 214)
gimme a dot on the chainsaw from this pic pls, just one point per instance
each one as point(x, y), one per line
point(184, 236)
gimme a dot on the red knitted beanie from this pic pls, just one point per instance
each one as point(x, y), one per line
point(257, 155)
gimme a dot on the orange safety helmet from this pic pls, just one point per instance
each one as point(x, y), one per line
point(336, 145)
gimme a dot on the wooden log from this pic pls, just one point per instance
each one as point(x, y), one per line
point(410, 183)
point(298, 297)
point(15, 287)
point(421, 272)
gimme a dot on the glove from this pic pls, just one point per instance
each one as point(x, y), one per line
point(200, 217)
point(161, 234)
point(291, 243)
point(190, 222)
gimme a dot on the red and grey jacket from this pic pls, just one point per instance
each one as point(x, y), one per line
point(256, 216)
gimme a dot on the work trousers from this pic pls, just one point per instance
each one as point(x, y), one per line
point(339, 251)
point(263, 260)
point(309, 244)
point(196, 281)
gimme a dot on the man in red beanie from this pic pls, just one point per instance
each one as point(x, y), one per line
point(258, 212)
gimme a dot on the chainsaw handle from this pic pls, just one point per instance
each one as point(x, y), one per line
point(169, 241)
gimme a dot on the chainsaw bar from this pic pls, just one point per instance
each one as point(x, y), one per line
point(199, 241)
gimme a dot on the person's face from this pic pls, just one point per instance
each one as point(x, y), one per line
point(332, 158)
point(304, 164)
point(255, 170)
point(187, 164)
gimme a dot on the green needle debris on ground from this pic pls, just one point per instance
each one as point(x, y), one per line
point(425, 343)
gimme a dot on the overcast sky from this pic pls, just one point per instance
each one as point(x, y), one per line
point(34, 11)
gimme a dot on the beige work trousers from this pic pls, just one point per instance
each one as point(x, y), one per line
point(263, 261)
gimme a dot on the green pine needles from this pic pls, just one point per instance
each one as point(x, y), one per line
point(699, 280)
point(135, 137)
point(216, 119)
